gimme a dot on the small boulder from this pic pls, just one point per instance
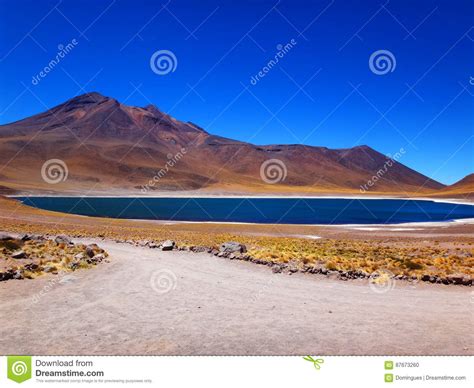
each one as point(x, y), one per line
point(5, 276)
point(456, 278)
point(6, 237)
point(63, 239)
point(92, 250)
point(232, 247)
point(19, 255)
point(168, 245)
point(98, 258)
point(276, 268)
point(31, 267)
point(49, 268)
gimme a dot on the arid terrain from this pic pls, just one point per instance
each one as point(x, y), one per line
point(115, 149)
point(222, 288)
point(147, 301)
point(347, 282)
point(433, 252)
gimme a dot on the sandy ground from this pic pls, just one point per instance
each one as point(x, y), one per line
point(221, 307)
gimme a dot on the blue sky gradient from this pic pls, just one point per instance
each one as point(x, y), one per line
point(322, 92)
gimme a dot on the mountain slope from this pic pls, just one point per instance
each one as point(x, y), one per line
point(462, 188)
point(109, 147)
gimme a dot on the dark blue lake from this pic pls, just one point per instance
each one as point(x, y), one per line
point(259, 210)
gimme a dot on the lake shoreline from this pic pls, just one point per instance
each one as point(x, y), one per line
point(325, 211)
point(464, 201)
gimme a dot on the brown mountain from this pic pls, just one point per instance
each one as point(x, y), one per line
point(462, 188)
point(111, 147)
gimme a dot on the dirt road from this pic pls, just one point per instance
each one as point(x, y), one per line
point(177, 303)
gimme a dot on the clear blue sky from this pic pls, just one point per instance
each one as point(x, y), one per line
point(220, 45)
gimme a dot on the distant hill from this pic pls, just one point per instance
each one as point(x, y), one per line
point(111, 147)
point(462, 188)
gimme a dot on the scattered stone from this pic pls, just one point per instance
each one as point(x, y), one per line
point(168, 245)
point(467, 281)
point(19, 255)
point(99, 257)
point(425, 278)
point(200, 249)
point(74, 265)
point(6, 237)
point(5, 276)
point(232, 247)
point(49, 268)
point(63, 239)
point(456, 278)
point(276, 268)
point(92, 250)
point(18, 274)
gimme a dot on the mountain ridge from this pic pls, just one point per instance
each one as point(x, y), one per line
point(112, 146)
